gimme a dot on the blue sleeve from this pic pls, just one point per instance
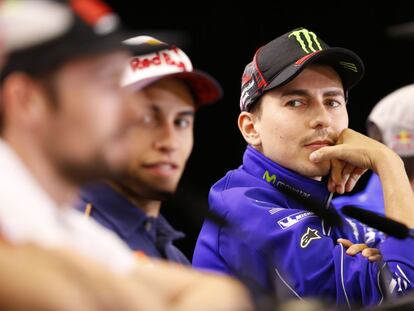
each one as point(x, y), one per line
point(303, 260)
point(206, 253)
point(292, 251)
point(398, 255)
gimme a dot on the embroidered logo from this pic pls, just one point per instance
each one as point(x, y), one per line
point(269, 178)
point(349, 66)
point(307, 40)
point(291, 220)
point(309, 236)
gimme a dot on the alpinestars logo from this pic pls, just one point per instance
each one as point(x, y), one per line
point(307, 40)
point(309, 236)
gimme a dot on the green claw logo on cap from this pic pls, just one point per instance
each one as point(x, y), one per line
point(311, 40)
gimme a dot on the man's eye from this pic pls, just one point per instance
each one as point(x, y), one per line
point(148, 120)
point(294, 103)
point(182, 123)
point(334, 103)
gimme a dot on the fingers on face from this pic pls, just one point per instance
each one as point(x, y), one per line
point(353, 178)
point(337, 167)
point(344, 176)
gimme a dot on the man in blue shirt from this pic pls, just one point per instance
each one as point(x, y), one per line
point(391, 122)
point(166, 91)
point(294, 119)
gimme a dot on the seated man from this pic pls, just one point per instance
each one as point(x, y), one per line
point(294, 119)
point(62, 113)
point(161, 142)
point(391, 122)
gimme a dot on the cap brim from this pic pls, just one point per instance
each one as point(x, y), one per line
point(346, 63)
point(146, 48)
point(76, 42)
point(204, 88)
point(109, 43)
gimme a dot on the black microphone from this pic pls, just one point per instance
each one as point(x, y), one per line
point(377, 221)
point(329, 215)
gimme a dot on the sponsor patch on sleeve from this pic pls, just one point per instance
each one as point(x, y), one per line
point(293, 219)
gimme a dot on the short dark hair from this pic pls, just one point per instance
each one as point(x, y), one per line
point(256, 107)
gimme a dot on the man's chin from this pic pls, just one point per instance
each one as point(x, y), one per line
point(81, 173)
point(156, 194)
point(316, 171)
point(160, 195)
point(147, 190)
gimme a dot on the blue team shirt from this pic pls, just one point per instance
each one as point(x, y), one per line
point(272, 241)
point(152, 236)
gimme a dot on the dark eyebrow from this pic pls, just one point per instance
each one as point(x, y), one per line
point(335, 93)
point(305, 93)
point(190, 113)
point(297, 92)
point(154, 108)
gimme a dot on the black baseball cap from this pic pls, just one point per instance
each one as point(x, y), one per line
point(74, 29)
point(282, 59)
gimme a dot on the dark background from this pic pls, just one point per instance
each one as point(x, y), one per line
point(221, 39)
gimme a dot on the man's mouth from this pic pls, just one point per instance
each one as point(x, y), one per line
point(317, 144)
point(162, 168)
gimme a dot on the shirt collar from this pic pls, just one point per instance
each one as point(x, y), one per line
point(123, 214)
point(277, 176)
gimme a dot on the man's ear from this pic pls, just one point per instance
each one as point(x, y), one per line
point(23, 103)
point(248, 123)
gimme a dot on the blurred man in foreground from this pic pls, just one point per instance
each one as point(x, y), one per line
point(61, 115)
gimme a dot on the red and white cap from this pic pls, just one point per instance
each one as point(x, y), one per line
point(155, 60)
point(394, 116)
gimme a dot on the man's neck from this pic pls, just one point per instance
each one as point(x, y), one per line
point(150, 207)
point(59, 189)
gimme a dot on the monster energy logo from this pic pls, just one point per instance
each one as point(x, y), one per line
point(310, 43)
point(268, 178)
point(350, 66)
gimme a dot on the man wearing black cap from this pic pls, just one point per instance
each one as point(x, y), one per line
point(294, 119)
point(168, 91)
point(62, 112)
